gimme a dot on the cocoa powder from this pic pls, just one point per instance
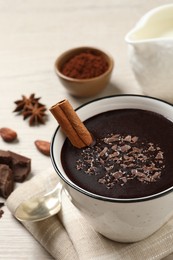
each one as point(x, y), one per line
point(85, 65)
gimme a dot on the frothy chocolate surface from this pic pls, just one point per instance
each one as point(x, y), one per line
point(131, 157)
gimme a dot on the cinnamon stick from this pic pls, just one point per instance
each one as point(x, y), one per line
point(71, 124)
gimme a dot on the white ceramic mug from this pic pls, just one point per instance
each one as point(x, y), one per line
point(123, 220)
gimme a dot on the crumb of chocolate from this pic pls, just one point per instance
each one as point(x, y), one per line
point(122, 158)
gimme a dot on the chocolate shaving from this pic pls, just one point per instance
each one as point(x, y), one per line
point(122, 158)
point(103, 152)
point(128, 138)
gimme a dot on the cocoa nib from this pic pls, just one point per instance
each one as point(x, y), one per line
point(122, 158)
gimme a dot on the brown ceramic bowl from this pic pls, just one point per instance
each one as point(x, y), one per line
point(83, 87)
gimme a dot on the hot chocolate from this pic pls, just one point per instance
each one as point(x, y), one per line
point(131, 156)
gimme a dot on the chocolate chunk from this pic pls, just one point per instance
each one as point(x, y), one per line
point(6, 180)
point(21, 166)
point(1, 211)
point(1, 204)
point(5, 158)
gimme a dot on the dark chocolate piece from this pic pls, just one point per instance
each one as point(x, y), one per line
point(6, 180)
point(21, 166)
point(5, 158)
point(2, 204)
point(1, 211)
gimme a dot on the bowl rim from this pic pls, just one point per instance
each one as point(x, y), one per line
point(61, 75)
point(96, 196)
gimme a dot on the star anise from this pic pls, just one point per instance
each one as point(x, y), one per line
point(36, 113)
point(31, 107)
point(25, 101)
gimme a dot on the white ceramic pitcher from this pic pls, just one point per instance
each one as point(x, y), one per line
point(151, 52)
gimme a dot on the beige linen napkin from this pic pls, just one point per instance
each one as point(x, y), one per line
point(68, 235)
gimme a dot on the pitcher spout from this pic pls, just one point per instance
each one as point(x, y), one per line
point(156, 25)
point(151, 52)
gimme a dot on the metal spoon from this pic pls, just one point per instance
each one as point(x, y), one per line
point(40, 207)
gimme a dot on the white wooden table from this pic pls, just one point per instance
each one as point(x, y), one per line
point(32, 34)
